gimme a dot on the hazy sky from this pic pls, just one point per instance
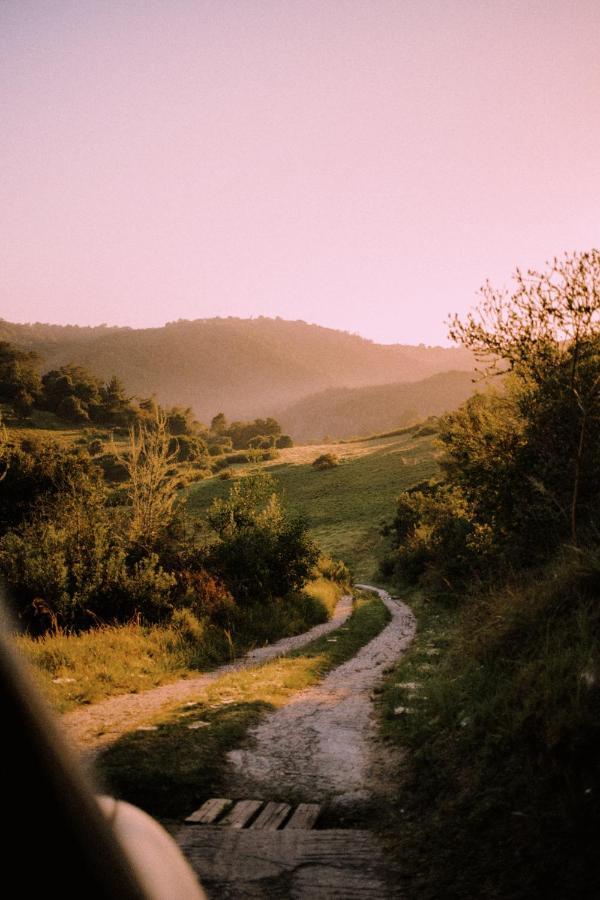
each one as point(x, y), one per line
point(364, 165)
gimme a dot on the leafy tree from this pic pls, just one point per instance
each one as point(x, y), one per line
point(547, 332)
point(520, 464)
point(23, 404)
point(248, 434)
point(188, 448)
point(180, 420)
point(20, 382)
point(261, 552)
point(218, 423)
point(70, 389)
point(115, 406)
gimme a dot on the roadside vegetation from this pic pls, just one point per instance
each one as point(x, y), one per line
point(113, 586)
point(172, 768)
point(78, 669)
point(498, 700)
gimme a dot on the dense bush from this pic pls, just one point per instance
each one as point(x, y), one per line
point(75, 554)
point(326, 461)
point(67, 566)
point(188, 448)
point(260, 552)
point(35, 470)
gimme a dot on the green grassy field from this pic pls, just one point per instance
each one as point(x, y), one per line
point(346, 505)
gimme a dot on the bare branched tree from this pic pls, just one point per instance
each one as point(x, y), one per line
point(547, 327)
point(152, 485)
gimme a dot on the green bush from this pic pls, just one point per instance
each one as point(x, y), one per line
point(325, 461)
point(334, 570)
point(189, 448)
point(260, 552)
point(38, 469)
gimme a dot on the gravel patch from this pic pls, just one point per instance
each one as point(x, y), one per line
point(322, 746)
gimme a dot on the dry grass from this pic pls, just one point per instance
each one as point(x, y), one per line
point(76, 669)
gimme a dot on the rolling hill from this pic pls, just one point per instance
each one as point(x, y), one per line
point(244, 367)
point(350, 412)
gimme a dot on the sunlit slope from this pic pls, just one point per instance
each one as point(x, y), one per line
point(346, 505)
point(242, 367)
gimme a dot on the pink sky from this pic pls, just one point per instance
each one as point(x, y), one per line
point(362, 165)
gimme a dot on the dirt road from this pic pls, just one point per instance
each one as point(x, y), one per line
point(320, 746)
point(94, 727)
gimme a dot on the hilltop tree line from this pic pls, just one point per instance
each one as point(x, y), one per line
point(78, 397)
point(260, 366)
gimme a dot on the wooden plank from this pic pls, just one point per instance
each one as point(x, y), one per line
point(305, 816)
point(209, 811)
point(272, 816)
point(241, 813)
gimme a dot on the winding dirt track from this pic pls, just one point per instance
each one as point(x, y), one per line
point(321, 745)
point(96, 726)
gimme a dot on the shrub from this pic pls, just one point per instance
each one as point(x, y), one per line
point(326, 461)
point(113, 468)
point(188, 448)
point(260, 552)
point(437, 542)
point(333, 570)
point(205, 595)
point(37, 469)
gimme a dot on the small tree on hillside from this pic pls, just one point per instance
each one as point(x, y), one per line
point(152, 486)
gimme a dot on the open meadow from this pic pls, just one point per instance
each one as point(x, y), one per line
point(345, 505)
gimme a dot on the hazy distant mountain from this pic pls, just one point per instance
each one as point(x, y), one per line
point(244, 367)
point(352, 412)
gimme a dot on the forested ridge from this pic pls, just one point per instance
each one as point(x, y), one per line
point(352, 412)
point(245, 367)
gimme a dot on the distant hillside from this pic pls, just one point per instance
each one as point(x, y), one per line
point(350, 412)
point(245, 367)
